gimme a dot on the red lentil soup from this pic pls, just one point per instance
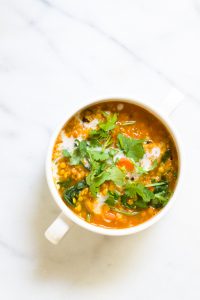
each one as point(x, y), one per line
point(115, 164)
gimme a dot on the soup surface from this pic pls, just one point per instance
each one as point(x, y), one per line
point(115, 165)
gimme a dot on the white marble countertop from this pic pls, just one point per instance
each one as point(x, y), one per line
point(52, 54)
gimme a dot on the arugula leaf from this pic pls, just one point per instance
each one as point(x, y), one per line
point(132, 148)
point(112, 198)
point(66, 153)
point(166, 155)
point(73, 192)
point(111, 119)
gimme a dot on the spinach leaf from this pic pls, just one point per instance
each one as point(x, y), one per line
point(73, 192)
point(166, 155)
point(161, 194)
point(139, 203)
point(124, 201)
point(65, 183)
point(112, 199)
point(132, 148)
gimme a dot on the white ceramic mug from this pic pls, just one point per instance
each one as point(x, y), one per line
point(67, 217)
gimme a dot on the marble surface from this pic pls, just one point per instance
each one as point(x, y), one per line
point(52, 54)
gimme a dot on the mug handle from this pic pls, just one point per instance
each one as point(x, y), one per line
point(56, 231)
point(171, 102)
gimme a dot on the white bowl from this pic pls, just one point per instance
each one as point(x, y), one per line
point(67, 217)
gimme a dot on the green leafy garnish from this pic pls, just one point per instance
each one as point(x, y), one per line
point(66, 153)
point(156, 183)
point(166, 155)
point(126, 123)
point(79, 152)
point(95, 180)
point(116, 175)
point(98, 155)
point(112, 199)
point(65, 183)
point(102, 134)
point(143, 197)
point(72, 192)
point(125, 212)
point(111, 119)
point(138, 189)
point(132, 148)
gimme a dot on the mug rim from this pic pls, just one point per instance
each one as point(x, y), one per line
point(99, 229)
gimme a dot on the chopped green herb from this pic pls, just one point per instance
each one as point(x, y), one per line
point(111, 119)
point(132, 148)
point(126, 123)
point(98, 155)
point(116, 175)
point(133, 189)
point(79, 152)
point(156, 184)
point(125, 212)
point(112, 198)
point(113, 173)
point(66, 153)
point(161, 195)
